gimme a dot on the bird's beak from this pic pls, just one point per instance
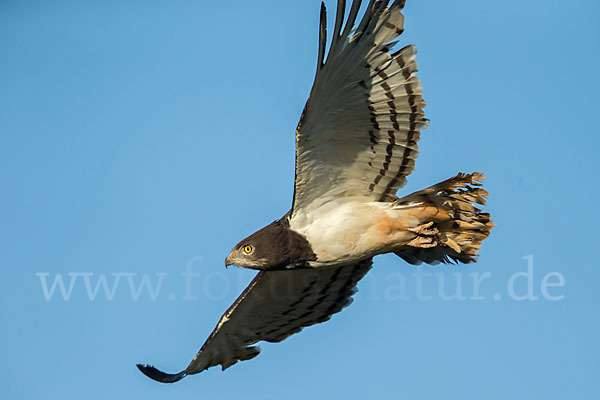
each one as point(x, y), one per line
point(228, 261)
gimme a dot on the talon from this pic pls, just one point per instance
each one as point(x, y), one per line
point(424, 229)
point(423, 242)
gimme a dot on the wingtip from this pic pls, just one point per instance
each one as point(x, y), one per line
point(323, 14)
point(158, 375)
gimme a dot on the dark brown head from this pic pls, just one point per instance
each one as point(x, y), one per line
point(273, 247)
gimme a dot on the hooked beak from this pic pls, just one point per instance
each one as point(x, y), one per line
point(228, 261)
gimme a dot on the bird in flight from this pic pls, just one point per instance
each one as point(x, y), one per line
point(356, 143)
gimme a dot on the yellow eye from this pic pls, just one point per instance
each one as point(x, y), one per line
point(248, 249)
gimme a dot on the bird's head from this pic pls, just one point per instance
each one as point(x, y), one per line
point(273, 247)
point(245, 254)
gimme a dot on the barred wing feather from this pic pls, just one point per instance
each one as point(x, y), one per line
point(275, 305)
point(359, 129)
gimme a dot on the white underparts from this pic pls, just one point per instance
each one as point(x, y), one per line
point(342, 232)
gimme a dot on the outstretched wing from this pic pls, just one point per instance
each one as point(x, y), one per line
point(275, 305)
point(359, 129)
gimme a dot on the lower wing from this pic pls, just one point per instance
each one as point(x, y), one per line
point(275, 305)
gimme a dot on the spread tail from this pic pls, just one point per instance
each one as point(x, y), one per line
point(450, 226)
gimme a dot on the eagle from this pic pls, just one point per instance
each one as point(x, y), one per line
point(356, 143)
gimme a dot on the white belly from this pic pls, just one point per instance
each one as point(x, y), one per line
point(341, 232)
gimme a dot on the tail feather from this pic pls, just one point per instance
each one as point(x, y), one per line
point(451, 226)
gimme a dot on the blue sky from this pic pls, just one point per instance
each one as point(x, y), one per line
point(142, 137)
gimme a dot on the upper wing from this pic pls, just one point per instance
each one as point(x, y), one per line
point(359, 129)
point(275, 305)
